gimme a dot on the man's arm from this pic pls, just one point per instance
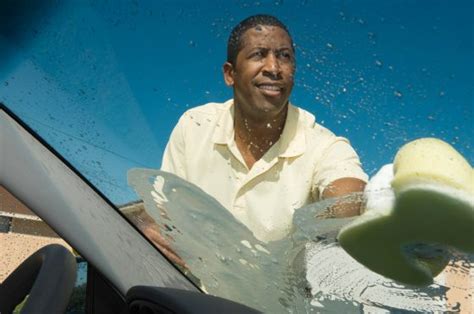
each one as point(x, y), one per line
point(151, 230)
point(339, 173)
point(342, 187)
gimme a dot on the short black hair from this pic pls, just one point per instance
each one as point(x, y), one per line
point(234, 44)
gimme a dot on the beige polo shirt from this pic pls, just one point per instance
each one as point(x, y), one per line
point(293, 173)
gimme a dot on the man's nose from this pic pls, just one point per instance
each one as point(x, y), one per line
point(272, 65)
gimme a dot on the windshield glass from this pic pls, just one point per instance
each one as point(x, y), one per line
point(105, 84)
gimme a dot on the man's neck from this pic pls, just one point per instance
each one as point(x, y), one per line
point(254, 137)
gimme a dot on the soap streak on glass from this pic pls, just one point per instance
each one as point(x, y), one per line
point(306, 271)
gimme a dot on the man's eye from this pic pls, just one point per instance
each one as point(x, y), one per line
point(257, 54)
point(285, 55)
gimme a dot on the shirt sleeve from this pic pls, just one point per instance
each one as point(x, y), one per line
point(174, 156)
point(338, 160)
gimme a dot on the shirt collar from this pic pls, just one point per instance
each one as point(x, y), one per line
point(292, 140)
point(224, 132)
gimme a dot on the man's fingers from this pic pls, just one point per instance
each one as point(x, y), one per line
point(164, 246)
point(156, 237)
point(173, 257)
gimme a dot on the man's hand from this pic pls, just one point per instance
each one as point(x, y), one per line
point(152, 233)
point(379, 193)
point(151, 230)
point(344, 208)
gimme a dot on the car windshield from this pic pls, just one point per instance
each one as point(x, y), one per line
point(105, 83)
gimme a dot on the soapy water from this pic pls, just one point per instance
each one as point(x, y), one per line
point(304, 272)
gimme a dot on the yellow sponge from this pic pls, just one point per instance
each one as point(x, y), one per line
point(432, 160)
point(433, 209)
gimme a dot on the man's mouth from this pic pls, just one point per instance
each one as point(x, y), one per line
point(270, 89)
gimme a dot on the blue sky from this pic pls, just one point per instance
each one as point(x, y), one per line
point(105, 81)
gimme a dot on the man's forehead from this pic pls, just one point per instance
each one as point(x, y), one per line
point(265, 34)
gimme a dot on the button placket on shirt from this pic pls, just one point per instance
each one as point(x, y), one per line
point(238, 172)
point(260, 167)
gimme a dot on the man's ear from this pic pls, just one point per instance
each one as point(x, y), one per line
point(228, 70)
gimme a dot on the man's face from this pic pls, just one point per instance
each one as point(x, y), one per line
point(262, 76)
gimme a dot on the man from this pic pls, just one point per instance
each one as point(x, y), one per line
point(257, 154)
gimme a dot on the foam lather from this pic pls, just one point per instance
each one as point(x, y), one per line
point(427, 209)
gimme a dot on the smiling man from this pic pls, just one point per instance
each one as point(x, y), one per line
point(258, 155)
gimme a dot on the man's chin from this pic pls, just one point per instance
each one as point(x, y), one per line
point(267, 113)
point(274, 107)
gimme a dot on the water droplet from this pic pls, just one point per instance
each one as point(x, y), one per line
point(261, 248)
point(246, 244)
point(378, 63)
point(397, 94)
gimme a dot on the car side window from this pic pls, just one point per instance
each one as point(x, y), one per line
point(22, 233)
